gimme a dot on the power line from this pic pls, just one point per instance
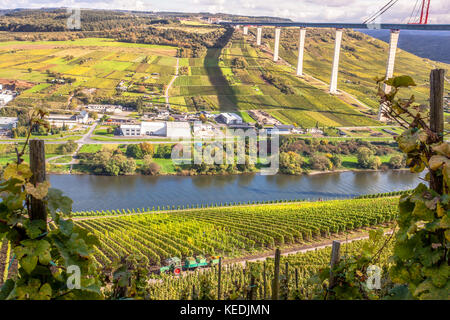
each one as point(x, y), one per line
point(385, 8)
point(413, 13)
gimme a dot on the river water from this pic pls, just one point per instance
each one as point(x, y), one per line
point(104, 192)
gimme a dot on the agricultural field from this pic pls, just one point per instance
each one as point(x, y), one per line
point(228, 231)
point(95, 66)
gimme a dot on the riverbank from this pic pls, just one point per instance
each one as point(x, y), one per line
point(180, 174)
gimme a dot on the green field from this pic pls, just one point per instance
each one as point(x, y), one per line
point(94, 63)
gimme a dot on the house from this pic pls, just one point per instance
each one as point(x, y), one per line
point(314, 131)
point(7, 124)
point(199, 126)
point(69, 120)
point(229, 118)
point(104, 108)
point(118, 120)
point(5, 97)
point(284, 128)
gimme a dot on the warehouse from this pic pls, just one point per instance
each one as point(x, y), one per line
point(170, 129)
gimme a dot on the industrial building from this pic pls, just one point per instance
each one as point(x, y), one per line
point(170, 129)
point(229, 118)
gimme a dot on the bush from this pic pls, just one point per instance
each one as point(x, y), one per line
point(134, 151)
point(319, 162)
point(291, 163)
point(397, 162)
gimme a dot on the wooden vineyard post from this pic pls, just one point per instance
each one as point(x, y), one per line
point(252, 288)
point(276, 278)
point(335, 255)
point(296, 278)
point(286, 297)
point(437, 78)
point(37, 166)
point(219, 279)
point(264, 280)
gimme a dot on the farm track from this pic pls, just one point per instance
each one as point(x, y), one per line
point(172, 81)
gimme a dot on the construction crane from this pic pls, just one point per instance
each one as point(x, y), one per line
point(419, 14)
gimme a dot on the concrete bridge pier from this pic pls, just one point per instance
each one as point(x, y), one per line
point(277, 44)
point(395, 34)
point(258, 36)
point(246, 30)
point(301, 49)
point(335, 68)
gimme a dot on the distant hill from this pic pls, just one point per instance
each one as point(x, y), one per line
point(433, 45)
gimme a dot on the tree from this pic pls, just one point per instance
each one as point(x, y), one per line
point(147, 148)
point(364, 155)
point(93, 115)
point(150, 167)
point(319, 162)
point(336, 161)
point(69, 147)
point(397, 162)
point(134, 151)
point(374, 163)
point(291, 163)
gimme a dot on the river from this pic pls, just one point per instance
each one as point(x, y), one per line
point(104, 192)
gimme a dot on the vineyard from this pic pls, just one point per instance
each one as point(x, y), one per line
point(254, 280)
point(231, 231)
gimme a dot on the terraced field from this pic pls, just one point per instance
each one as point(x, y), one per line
point(94, 63)
point(231, 231)
point(225, 88)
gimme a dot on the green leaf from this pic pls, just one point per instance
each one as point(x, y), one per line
point(29, 263)
point(401, 81)
point(35, 228)
point(400, 292)
point(56, 201)
point(6, 289)
point(66, 227)
point(45, 293)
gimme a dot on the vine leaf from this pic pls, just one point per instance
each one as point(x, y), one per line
point(38, 192)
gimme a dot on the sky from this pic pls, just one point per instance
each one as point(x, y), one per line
point(296, 10)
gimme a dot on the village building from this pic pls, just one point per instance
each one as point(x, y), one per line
point(7, 124)
point(68, 120)
point(6, 96)
point(104, 108)
point(119, 120)
point(170, 129)
point(229, 118)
